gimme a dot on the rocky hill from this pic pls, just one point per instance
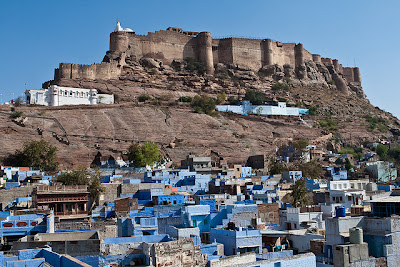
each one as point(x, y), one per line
point(79, 132)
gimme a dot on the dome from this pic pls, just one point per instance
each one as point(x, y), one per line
point(118, 28)
point(128, 30)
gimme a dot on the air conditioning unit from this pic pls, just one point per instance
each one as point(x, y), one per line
point(387, 250)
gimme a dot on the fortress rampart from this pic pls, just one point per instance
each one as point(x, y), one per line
point(102, 71)
point(176, 44)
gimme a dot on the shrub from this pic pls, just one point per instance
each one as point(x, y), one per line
point(203, 104)
point(176, 65)
point(16, 114)
point(233, 100)
point(143, 97)
point(376, 123)
point(357, 152)
point(280, 87)
point(221, 98)
point(185, 99)
point(255, 97)
point(312, 110)
point(193, 65)
point(329, 124)
point(300, 144)
point(222, 74)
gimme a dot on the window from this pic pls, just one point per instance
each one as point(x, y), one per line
point(340, 198)
point(349, 198)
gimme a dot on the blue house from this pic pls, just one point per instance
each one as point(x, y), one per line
point(137, 226)
point(197, 216)
point(238, 242)
point(26, 225)
point(169, 200)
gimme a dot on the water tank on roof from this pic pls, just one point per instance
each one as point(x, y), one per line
point(356, 235)
point(340, 211)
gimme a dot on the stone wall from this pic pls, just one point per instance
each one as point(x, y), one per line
point(102, 71)
point(174, 253)
point(268, 213)
point(234, 260)
point(8, 196)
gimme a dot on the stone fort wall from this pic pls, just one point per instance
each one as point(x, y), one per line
point(168, 45)
point(102, 71)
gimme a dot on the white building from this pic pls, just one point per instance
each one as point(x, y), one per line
point(59, 96)
point(246, 108)
point(295, 219)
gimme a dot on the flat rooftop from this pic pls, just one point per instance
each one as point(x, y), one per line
point(392, 199)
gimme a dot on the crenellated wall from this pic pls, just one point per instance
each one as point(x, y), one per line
point(176, 44)
point(101, 71)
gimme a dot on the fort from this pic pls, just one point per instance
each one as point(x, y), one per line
point(176, 44)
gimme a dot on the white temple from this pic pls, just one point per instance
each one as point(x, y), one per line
point(118, 28)
point(59, 96)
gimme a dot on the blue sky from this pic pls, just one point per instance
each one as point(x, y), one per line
point(37, 35)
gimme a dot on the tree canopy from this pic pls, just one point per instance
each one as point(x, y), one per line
point(311, 169)
point(39, 155)
point(203, 104)
point(255, 97)
point(144, 155)
point(83, 176)
point(299, 193)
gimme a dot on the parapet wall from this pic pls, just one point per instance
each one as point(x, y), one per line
point(102, 71)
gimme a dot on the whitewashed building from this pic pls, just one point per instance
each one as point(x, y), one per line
point(246, 108)
point(59, 96)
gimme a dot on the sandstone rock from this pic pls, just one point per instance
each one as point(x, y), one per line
point(220, 67)
point(289, 71)
point(301, 72)
point(149, 63)
point(340, 83)
point(278, 76)
point(267, 70)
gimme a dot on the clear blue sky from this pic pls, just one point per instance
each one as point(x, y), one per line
point(37, 35)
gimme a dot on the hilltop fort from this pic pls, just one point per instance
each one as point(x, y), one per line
point(155, 78)
point(174, 45)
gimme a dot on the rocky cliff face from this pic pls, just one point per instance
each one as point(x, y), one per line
point(80, 132)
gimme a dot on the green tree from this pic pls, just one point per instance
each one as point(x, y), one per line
point(255, 97)
point(301, 144)
point(276, 167)
point(193, 65)
point(82, 176)
point(36, 154)
point(203, 104)
point(382, 151)
point(311, 169)
point(280, 86)
point(299, 193)
point(221, 97)
point(144, 155)
point(347, 164)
